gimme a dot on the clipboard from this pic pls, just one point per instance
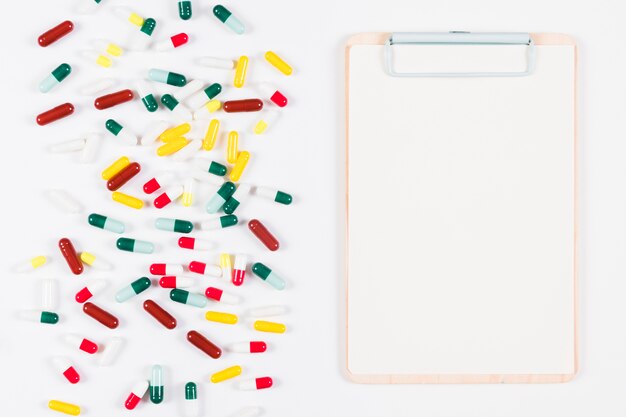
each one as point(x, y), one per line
point(461, 239)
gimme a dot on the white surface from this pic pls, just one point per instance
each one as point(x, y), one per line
point(309, 358)
point(481, 222)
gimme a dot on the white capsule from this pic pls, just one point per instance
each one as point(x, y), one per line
point(268, 118)
point(198, 129)
point(49, 294)
point(167, 269)
point(249, 384)
point(267, 311)
point(73, 145)
point(33, 315)
point(96, 262)
point(189, 151)
point(30, 265)
point(63, 201)
point(92, 145)
point(206, 177)
point(110, 352)
point(240, 347)
point(249, 412)
point(97, 86)
point(220, 63)
point(154, 131)
point(211, 224)
point(127, 137)
point(188, 90)
point(62, 364)
point(182, 112)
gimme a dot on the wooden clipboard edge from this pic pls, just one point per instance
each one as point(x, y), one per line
point(379, 38)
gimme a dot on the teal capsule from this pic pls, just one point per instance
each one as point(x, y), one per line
point(268, 276)
point(156, 385)
point(190, 299)
point(173, 225)
point(132, 245)
point(166, 77)
point(221, 196)
point(184, 9)
point(136, 287)
point(106, 223)
point(56, 76)
point(227, 18)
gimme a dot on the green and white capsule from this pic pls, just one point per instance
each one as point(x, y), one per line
point(188, 298)
point(239, 196)
point(133, 245)
point(227, 18)
point(142, 39)
point(166, 77)
point(268, 276)
point(175, 107)
point(211, 167)
point(38, 316)
point(221, 222)
point(147, 98)
point(106, 223)
point(156, 385)
point(191, 407)
point(184, 9)
point(191, 88)
point(275, 195)
point(125, 135)
point(56, 76)
point(136, 287)
point(202, 97)
point(173, 225)
point(221, 196)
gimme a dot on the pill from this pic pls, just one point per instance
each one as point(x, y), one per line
point(30, 264)
point(227, 18)
point(240, 165)
point(125, 135)
point(239, 196)
point(101, 316)
point(267, 311)
point(142, 38)
point(208, 109)
point(210, 138)
point(123, 176)
point(170, 194)
point(156, 382)
point(95, 262)
point(274, 195)
point(220, 197)
point(113, 99)
point(213, 167)
point(38, 316)
point(167, 77)
point(232, 149)
point(205, 269)
point(166, 269)
point(191, 407)
point(157, 182)
point(64, 201)
point(160, 314)
point(255, 383)
point(227, 267)
point(81, 343)
point(49, 294)
point(248, 347)
point(178, 109)
point(189, 151)
point(218, 294)
point(268, 326)
point(203, 344)
point(98, 58)
point(200, 98)
point(56, 33)
point(191, 88)
point(176, 282)
point(267, 120)
point(90, 290)
point(63, 407)
point(173, 225)
point(146, 96)
point(56, 76)
point(194, 243)
point(127, 14)
point(127, 200)
point(109, 47)
point(55, 113)
point(225, 374)
point(240, 74)
point(245, 105)
point(97, 86)
point(65, 368)
point(133, 245)
point(72, 145)
point(202, 175)
point(136, 393)
point(221, 317)
point(219, 63)
point(119, 164)
point(239, 270)
point(278, 63)
point(106, 223)
point(90, 151)
point(172, 147)
point(265, 236)
point(70, 255)
point(154, 132)
point(221, 222)
point(273, 94)
point(190, 299)
point(267, 275)
point(174, 132)
point(136, 287)
point(173, 42)
point(187, 198)
point(110, 352)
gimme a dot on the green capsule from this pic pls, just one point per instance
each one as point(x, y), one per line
point(106, 223)
point(275, 195)
point(174, 225)
point(283, 198)
point(132, 245)
point(148, 26)
point(191, 392)
point(166, 77)
point(54, 78)
point(223, 194)
point(185, 297)
point(184, 9)
point(169, 101)
point(217, 169)
point(48, 317)
point(213, 90)
point(39, 316)
point(113, 126)
point(156, 385)
point(238, 197)
point(268, 276)
point(225, 16)
point(136, 287)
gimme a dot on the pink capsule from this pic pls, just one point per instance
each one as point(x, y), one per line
point(135, 395)
point(166, 269)
point(205, 269)
point(175, 282)
point(217, 294)
point(169, 195)
point(273, 94)
point(66, 369)
point(195, 243)
point(239, 270)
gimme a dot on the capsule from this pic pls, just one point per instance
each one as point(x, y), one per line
point(146, 96)
point(208, 143)
point(157, 182)
point(123, 176)
point(127, 14)
point(225, 374)
point(30, 265)
point(81, 343)
point(220, 317)
point(70, 255)
point(195, 243)
point(248, 347)
point(166, 269)
point(240, 195)
point(191, 407)
point(268, 326)
point(173, 42)
point(227, 266)
point(204, 176)
point(49, 294)
point(56, 33)
point(176, 282)
point(267, 311)
point(256, 383)
point(172, 147)
point(240, 166)
point(154, 131)
point(202, 97)
point(246, 105)
point(102, 316)
point(174, 132)
point(127, 137)
point(221, 196)
point(100, 59)
point(170, 194)
point(136, 287)
point(227, 18)
point(55, 113)
point(72, 145)
point(205, 269)
point(278, 63)
point(203, 344)
point(280, 197)
point(214, 168)
point(206, 110)
point(110, 48)
point(267, 275)
point(273, 94)
point(160, 314)
point(132, 245)
point(56, 76)
point(111, 351)
point(97, 86)
point(187, 198)
point(90, 151)
point(217, 294)
point(239, 271)
point(232, 150)
point(260, 231)
point(175, 107)
point(113, 99)
point(127, 200)
point(190, 299)
point(63, 407)
point(141, 39)
point(268, 119)
point(156, 383)
point(95, 262)
point(166, 77)
point(187, 152)
point(90, 290)
point(173, 225)
point(38, 316)
point(63, 200)
point(64, 367)
point(221, 222)
point(110, 171)
point(219, 63)
point(136, 393)
point(106, 223)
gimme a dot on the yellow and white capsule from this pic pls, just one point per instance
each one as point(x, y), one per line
point(208, 109)
point(268, 119)
point(97, 57)
point(220, 317)
point(95, 262)
point(227, 266)
point(127, 14)
point(30, 264)
point(188, 186)
point(225, 374)
point(108, 47)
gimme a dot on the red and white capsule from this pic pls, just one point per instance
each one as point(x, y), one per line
point(90, 290)
point(170, 194)
point(239, 270)
point(79, 342)
point(176, 282)
point(138, 391)
point(172, 43)
point(166, 269)
point(194, 243)
point(263, 382)
point(272, 93)
point(205, 269)
point(64, 367)
point(217, 294)
point(157, 182)
point(247, 347)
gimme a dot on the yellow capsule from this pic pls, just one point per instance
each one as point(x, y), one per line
point(211, 135)
point(65, 408)
point(114, 50)
point(225, 374)
point(240, 71)
point(260, 127)
point(174, 132)
point(104, 61)
point(38, 261)
point(278, 63)
point(87, 258)
point(127, 200)
point(232, 150)
point(220, 317)
point(115, 167)
point(135, 19)
point(269, 326)
point(240, 165)
point(172, 147)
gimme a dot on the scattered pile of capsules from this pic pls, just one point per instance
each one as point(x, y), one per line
point(194, 106)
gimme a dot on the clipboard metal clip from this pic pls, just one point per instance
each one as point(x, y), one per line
point(459, 38)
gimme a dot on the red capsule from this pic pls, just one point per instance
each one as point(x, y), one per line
point(104, 317)
point(264, 382)
point(113, 99)
point(71, 375)
point(279, 99)
point(166, 319)
point(180, 39)
point(237, 106)
point(88, 346)
point(55, 114)
point(258, 347)
point(55, 33)
point(204, 344)
point(151, 186)
point(71, 257)
point(123, 176)
point(264, 235)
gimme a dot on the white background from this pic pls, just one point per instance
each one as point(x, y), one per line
point(304, 155)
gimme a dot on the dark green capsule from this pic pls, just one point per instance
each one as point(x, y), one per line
point(230, 206)
point(184, 9)
point(113, 126)
point(283, 198)
point(169, 101)
point(178, 295)
point(217, 169)
point(229, 220)
point(191, 392)
point(221, 12)
point(48, 317)
point(173, 225)
point(213, 90)
point(156, 385)
point(61, 72)
point(150, 103)
point(148, 26)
